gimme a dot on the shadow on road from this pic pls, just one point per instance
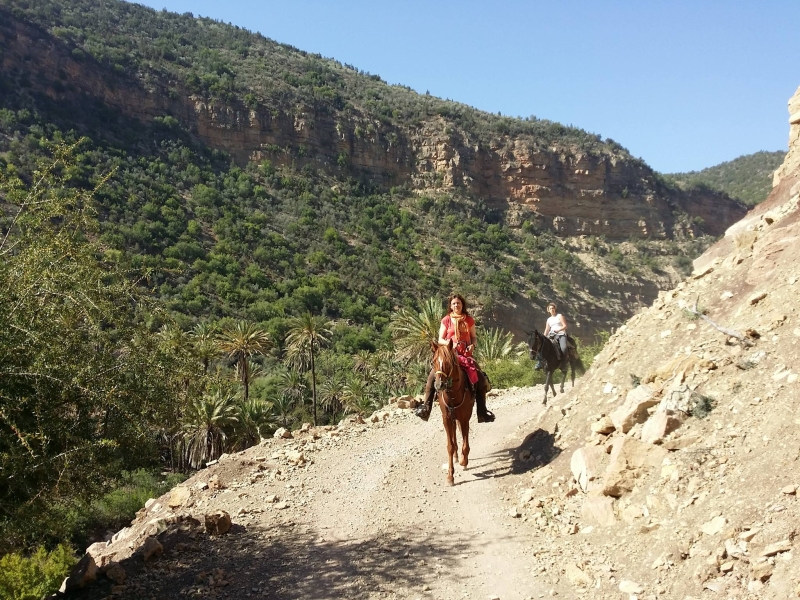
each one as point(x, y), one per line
point(284, 563)
point(536, 450)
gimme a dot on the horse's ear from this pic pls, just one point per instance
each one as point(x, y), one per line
point(434, 346)
point(450, 343)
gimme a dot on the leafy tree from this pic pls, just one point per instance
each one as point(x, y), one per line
point(83, 382)
point(307, 333)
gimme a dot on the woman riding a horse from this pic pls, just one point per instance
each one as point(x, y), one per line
point(459, 326)
point(556, 331)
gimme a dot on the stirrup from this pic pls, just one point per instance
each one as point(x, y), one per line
point(423, 412)
point(486, 418)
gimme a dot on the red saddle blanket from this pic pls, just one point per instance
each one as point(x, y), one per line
point(470, 367)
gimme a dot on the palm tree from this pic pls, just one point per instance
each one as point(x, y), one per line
point(203, 338)
point(292, 384)
point(254, 417)
point(282, 409)
point(496, 344)
point(240, 342)
point(307, 333)
point(331, 394)
point(413, 331)
point(205, 424)
point(358, 397)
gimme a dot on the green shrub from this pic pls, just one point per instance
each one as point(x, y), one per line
point(512, 373)
point(31, 578)
point(118, 507)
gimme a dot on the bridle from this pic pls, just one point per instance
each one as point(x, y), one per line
point(536, 345)
point(444, 386)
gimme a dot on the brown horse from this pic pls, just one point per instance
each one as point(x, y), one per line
point(455, 400)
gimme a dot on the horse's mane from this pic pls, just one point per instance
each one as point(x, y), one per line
point(448, 354)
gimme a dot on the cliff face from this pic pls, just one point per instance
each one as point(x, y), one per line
point(792, 160)
point(561, 188)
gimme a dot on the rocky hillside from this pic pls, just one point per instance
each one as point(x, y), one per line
point(253, 98)
point(682, 439)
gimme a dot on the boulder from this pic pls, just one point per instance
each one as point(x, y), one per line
point(296, 457)
point(218, 522)
point(659, 425)
point(714, 526)
point(548, 419)
point(283, 433)
point(761, 571)
point(630, 587)
point(604, 426)
point(116, 573)
point(577, 577)
point(82, 574)
point(585, 465)
point(777, 548)
point(178, 497)
point(630, 459)
point(151, 549)
point(634, 409)
point(599, 509)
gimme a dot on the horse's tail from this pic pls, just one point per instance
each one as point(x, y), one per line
point(578, 365)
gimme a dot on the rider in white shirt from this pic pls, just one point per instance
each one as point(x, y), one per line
point(556, 330)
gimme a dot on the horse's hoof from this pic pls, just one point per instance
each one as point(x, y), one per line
point(463, 462)
point(450, 482)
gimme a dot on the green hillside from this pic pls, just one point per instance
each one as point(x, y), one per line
point(747, 178)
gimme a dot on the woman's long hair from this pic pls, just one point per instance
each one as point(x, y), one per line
point(464, 310)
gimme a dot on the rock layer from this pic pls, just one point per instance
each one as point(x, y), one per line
point(562, 188)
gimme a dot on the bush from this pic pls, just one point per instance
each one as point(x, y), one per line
point(118, 507)
point(32, 578)
point(512, 373)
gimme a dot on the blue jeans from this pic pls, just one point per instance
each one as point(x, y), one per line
point(560, 339)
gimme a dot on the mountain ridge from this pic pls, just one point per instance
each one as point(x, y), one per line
point(559, 174)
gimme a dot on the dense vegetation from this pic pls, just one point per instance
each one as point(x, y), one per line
point(747, 178)
point(160, 305)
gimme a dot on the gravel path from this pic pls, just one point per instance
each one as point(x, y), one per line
point(368, 516)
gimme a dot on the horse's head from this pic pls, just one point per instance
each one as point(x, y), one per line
point(445, 364)
point(535, 340)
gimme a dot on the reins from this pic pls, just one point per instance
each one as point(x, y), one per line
point(442, 389)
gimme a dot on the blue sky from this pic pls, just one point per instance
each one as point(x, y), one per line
point(684, 85)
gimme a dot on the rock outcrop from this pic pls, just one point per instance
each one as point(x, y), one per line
point(568, 190)
point(792, 160)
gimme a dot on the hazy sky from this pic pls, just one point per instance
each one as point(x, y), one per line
point(684, 85)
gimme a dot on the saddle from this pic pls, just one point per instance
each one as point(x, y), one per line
point(571, 343)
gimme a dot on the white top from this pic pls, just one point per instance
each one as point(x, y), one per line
point(554, 323)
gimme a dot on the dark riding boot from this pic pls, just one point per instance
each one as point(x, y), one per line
point(423, 411)
point(484, 415)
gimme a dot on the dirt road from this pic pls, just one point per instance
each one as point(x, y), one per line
point(368, 516)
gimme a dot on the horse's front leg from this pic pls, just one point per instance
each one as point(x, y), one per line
point(546, 384)
point(452, 448)
point(464, 443)
point(572, 372)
